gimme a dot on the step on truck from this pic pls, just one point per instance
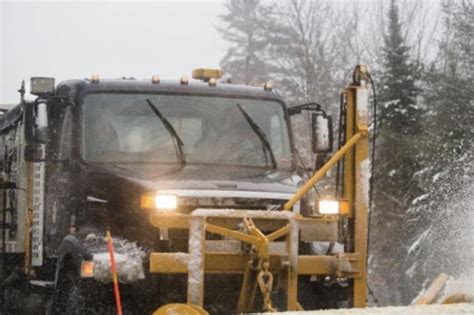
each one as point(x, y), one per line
point(199, 185)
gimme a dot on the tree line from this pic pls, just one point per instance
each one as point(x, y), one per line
point(421, 57)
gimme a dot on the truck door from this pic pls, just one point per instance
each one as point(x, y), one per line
point(60, 200)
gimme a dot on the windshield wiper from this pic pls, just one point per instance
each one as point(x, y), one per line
point(171, 131)
point(261, 135)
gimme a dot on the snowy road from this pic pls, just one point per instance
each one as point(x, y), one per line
point(462, 308)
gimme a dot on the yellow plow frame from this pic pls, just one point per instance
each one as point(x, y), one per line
point(258, 244)
point(278, 248)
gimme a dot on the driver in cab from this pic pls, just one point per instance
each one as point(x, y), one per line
point(227, 138)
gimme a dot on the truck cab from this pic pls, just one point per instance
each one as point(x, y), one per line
point(118, 149)
point(102, 155)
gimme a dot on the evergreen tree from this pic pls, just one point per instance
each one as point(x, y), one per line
point(425, 135)
point(399, 121)
point(398, 157)
point(399, 91)
point(439, 215)
point(241, 28)
point(450, 83)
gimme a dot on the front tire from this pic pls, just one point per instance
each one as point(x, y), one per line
point(76, 303)
point(73, 295)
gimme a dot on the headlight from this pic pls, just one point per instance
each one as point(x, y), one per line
point(328, 207)
point(166, 202)
point(334, 207)
point(159, 202)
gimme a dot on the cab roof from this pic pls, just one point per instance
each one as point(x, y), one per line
point(74, 88)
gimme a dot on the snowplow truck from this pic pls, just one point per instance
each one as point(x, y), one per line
point(198, 183)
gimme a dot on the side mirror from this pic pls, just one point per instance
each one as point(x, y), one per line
point(41, 123)
point(321, 127)
point(36, 122)
point(36, 131)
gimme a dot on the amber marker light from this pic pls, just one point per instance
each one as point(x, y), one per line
point(212, 82)
point(147, 201)
point(184, 80)
point(268, 86)
point(155, 79)
point(95, 78)
point(87, 269)
point(344, 208)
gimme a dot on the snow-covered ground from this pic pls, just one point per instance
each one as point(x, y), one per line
point(460, 260)
point(463, 308)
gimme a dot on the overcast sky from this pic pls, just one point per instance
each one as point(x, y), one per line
point(72, 39)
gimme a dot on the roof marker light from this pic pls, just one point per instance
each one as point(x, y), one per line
point(206, 74)
point(184, 80)
point(95, 78)
point(155, 79)
point(212, 82)
point(268, 86)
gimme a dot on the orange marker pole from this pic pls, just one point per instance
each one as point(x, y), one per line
point(118, 301)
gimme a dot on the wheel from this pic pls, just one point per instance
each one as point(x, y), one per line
point(49, 307)
point(76, 303)
point(141, 297)
point(68, 296)
point(74, 296)
point(316, 295)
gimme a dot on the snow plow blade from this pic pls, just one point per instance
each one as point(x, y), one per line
point(271, 248)
point(180, 309)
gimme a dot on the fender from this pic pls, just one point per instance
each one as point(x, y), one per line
point(71, 246)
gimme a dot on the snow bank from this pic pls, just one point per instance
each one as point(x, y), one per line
point(461, 261)
point(463, 308)
point(129, 269)
point(128, 259)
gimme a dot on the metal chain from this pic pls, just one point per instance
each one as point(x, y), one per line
point(265, 283)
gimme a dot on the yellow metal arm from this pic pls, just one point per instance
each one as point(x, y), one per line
point(323, 170)
point(278, 233)
point(251, 239)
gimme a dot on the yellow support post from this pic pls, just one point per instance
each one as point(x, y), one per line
point(197, 238)
point(356, 177)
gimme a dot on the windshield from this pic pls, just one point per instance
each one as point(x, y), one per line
point(125, 128)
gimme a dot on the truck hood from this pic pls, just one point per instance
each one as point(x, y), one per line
point(214, 179)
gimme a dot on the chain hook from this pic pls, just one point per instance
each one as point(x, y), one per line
point(265, 283)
